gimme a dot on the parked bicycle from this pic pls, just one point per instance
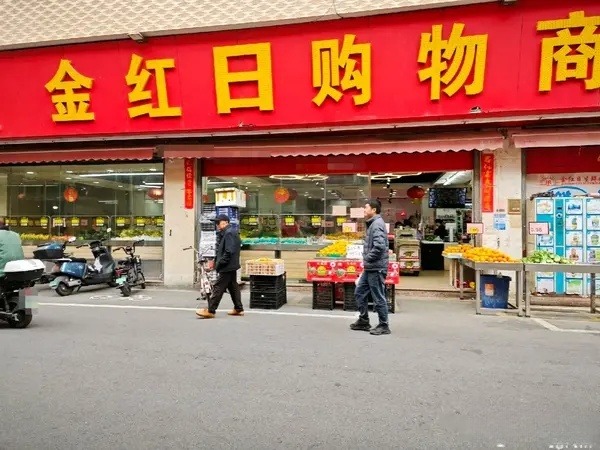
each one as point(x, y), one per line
point(202, 274)
point(130, 270)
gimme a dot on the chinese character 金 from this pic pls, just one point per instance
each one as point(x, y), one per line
point(138, 77)
point(262, 76)
point(571, 53)
point(327, 63)
point(70, 105)
point(453, 61)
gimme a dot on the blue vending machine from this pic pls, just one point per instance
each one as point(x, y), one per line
point(574, 234)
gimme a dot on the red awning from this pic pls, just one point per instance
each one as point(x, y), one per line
point(54, 156)
point(567, 137)
point(342, 146)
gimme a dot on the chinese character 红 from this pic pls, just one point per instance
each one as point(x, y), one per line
point(453, 61)
point(571, 53)
point(138, 77)
point(70, 105)
point(327, 63)
point(262, 76)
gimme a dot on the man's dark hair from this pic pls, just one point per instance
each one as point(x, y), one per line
point(375, 204)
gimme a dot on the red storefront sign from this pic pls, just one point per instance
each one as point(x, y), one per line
point(344, 271)
point(487, 182)
point(190, 179)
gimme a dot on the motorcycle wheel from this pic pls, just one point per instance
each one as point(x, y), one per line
point(126, 290)
point(23, 322)
point(63, 290)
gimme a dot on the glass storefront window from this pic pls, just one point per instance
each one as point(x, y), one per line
point(83, 200)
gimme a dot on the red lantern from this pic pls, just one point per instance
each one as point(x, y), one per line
point(416, 192)
point(71, 194)
point(21, 195)
point(155, 193)
point(282, 195)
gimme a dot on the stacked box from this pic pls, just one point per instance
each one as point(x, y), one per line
point(323, 295)
point(268, 292)
point(350, 301)
point(230, 197)
point(273, 267)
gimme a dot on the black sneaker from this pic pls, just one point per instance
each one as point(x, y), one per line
point(361, 325)
point(380, 329)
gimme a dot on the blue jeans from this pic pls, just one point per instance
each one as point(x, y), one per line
point(372, 283)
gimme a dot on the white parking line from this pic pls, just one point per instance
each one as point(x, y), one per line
point(173, 308)
point(547, 325)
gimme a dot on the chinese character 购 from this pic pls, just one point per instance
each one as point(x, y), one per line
point(571, 53)
point(70, 105)
point(138, 78)
point(262, 76)
point(453, 61)
point(328, 61)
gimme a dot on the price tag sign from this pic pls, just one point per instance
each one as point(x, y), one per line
point(44, 222)
point(474, 228)
point(24, 221)
point(140, 222)
point(539, 228)
point(289, 221)
point(340, 221)
point(316, 221)
point(120, 221)
point(74, 221)
point(58, 222)
point(253, 220)
point(99, 221)
point(354, 252)
point(349, 227)
point(160, 221)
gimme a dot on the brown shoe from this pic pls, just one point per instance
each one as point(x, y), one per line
point(235, 312)
point(205, 314)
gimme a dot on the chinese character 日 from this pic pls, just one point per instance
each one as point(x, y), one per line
point(138, 77)
point(327, 63)
point(572, 53)
point(262, 76)
point(453, 62)
point(70, 105)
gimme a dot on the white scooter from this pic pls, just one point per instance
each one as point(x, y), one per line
point(15, 307)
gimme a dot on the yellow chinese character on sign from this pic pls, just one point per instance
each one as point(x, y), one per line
point(572, 53)
point(328, 61)
point(70, 105)
point(453, 61)
point(262, 76)
point(138, 77)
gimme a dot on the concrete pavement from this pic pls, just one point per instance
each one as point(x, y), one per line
point(99, 372)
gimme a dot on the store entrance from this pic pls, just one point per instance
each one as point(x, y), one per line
point(304, 216)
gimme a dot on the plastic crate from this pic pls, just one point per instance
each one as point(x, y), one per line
point(265, 300)
point(263, 283)
point(207, 226)
point(270, 268)
point(323, 295)
point(233, 212)
point(350, 301)
point(208, 208)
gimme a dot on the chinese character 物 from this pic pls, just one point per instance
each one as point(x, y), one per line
point(70, 105)
point(327, 63)
point(453, 62)
point(138, 77)
point(572, 53)
point(262, 76)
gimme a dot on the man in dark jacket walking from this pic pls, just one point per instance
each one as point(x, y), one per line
point(227, 262)
point(372, 280)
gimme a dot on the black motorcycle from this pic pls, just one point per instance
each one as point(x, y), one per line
point(15, 307)
point(130, 272)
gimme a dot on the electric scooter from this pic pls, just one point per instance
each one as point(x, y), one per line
point(130, 270)
point(52, 252)
point(15, 307)
point(76, 272)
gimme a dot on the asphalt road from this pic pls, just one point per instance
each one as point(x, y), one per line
point(143, 376)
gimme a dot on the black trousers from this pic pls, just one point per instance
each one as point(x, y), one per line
point(226, 281)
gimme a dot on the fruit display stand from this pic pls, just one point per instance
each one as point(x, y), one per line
point(495, 267)
point(453, 254)
point(583, 268)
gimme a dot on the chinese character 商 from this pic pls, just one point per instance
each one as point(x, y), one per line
point(353, 59)
point(138, 77)
point(70, 105)
point(453, 62)
point(571, 52)
point(262, 76)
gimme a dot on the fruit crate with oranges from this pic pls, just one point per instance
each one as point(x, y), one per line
point(456, 251)
point(487, 255)
point(265, 266)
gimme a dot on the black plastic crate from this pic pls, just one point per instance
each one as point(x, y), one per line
point(274, 300)
point(323, 295)
point(267, 283)
point(207, 226)
point(233, 212)
point(350, 301)
point(208, 208)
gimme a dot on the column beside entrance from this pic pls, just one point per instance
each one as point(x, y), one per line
point(179, 228)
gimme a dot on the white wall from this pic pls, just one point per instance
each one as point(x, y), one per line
point(179, 228)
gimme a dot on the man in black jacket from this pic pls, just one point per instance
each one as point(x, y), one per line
point(372, 280)
point(227, 262)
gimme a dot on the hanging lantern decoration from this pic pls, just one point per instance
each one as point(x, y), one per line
point(71, 194)
point(416, 192)
point(293, 195)
point(282, 195)
point(21, 195)
point(155, 193)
